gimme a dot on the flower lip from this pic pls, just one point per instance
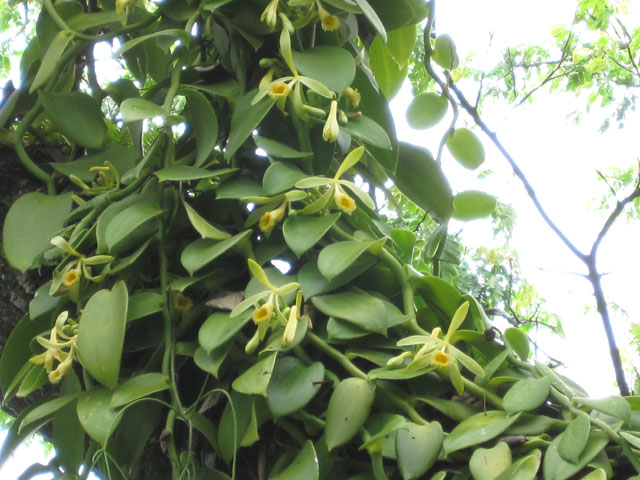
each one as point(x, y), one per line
point(344, 202)
point(71, 277)
point(279, 89)
point(263, 313)
point(440, 359)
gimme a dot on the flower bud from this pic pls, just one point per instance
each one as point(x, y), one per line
point(331, 128)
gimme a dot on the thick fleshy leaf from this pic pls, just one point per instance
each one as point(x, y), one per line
point(138, 387)
point(219, 328)
point(144, 303)
point(244, 119)
point(204, 121)
point(466, 148)
point(134, 109)
point(615, 406)
point(524, 469)
point(278, 149)
point(417, 448)
point(68, 434)
point(518, 342)
point(420, 178)
point(255, 380)
point(304, 466)
point(313, 283)
point(31, 222)
point(348, 409)
point(554, 467)
point(77, 116)
point(204, 228)
point(480, 428)
point(293, 385)
point(337, 257)
point(50, 59)
point(46, 409)
point(400, 13)
point(313, 63)
point(101, 334)
point(426, 110)
point(488, 463)
point(364, 311)
point(574, 438)
point(96, 416)
point(444, 53)
point(455, 410)
point(301, 232)
point(184, 173)
point(472, 204)
point(526, 395)
point(202, 252)
point(121, 229)
point(280, 177)
point(368, 130)
point(389, 73)
point(373, 18)
point(211, 362)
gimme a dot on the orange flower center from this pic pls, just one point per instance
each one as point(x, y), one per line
point(441, 359)
point(71, 277)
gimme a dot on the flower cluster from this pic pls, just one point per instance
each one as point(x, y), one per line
point(60, 347)
point(107, 180)
point(439, 353)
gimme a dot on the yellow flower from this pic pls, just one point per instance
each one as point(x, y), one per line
point(331, 128)
point(263, 313)
point(328, 22)
point(270, 219)
point(440, 359)
point(56, 375)
point(353, 95)
point(71, 277)
point(122, 4)
point(291, 327)
point(267, 78)
point(344, 202)
point(54, 349)
point(270, 14)
point(278, 90)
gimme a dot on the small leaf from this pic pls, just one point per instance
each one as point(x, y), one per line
point(304, 466)
point(278, 149)
point(426, 110)
point(255, 380)
point(489, 463)
point(138, 387)
point(301, 232)
point(221, 327)
point(417, 448)
point(524, 469)
point(598, 474)
point(31, 222)
point(364, 311)
point(211, 362)
point(96, 416)
point(183, 173)
point(518, 341)
point(466, 148)
point(444, 53)
point(50, 59)
point(479, 428)
point(121, 228)
point(205, 123)
point(313, 63)
point(177, 33)
point(244, 119)
point(101, 334)
point(369, 131)
point(280, 177)
point(204, 228)
point(142, 304)
point(202, 252)
point(526, 395)
point(348, 409)
point(615, 406)
point(46, 409)
point(554, 467)
point(338, 256)
point(472, 204)
point(574, 438)
point(293, 385)
point(134, 109)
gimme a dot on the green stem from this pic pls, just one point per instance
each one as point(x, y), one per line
point(171, 444)
point(336, 355)
point(377, 466)
point(293, 431)
point(55, 16)
point(401, 404)
point(175, 82)
point(494, 399)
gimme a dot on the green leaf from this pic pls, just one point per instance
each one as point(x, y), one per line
point(177, 33)
point(204, 121)
point(337, 257)
point(202, 252)
point(204, 228)
point(313, 283)
point(85, 21)
point(127, 224)
point(313, 63)
point(457, 411)
point(400, 13)
point(524, 469)
point(444, 53)
point(68, 435)
point(304, 466)
point(518, 341)
point(46, 409)
point(50, 59)
point(369, 131)
point(101, 334)
point(420, 178)
point(574, 438)
point(206, 427)
point(364, 311)
point(554, 467)
point(400, 44)
point(244, 119)
point(466, 148)
point(598, 474)
point(389, 74)
point(480, 428)
point(293, 385)
point(472, 204)
point(426, 110)
point(77, 116)
point(184, 173)
point(373, 18)
point(278, 149)
point(138, 387)
point(301, 232)
point(417, 448)
point(142, 304)
point(122, 158)
point(96, 416)
point(221, 327)
point(615, 406)
point(255, 380)
point(530, 424)
point(526, 395)
point(348, 409)
point(135, 109)
point(280, 177)
point(211, 362)
point(31, 222)
point(489, 463)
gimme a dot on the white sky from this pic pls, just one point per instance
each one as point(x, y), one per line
point(560, 159)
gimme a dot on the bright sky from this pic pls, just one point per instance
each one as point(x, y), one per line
point(560, 159)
